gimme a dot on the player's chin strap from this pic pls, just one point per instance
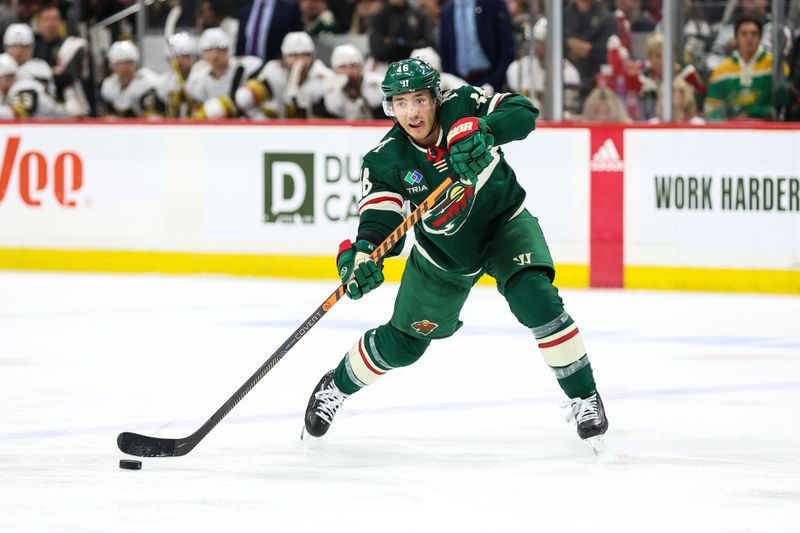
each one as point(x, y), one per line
point(144, 446)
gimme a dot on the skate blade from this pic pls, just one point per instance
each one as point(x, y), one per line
point(596, 443)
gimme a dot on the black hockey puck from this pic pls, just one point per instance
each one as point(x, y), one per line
point(130, 464)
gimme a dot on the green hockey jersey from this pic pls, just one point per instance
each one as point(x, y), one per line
point(456, 233)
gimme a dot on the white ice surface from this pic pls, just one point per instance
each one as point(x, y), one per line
point(702, 393)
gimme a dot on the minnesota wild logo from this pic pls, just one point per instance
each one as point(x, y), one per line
point(424, 327)
point(450, 213)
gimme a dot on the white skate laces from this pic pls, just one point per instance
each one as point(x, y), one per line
point(330, 399)
point(582, 409)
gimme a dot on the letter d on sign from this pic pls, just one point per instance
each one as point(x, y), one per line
point(287, 199)
point(288, 186)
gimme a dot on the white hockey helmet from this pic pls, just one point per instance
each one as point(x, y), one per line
point(540, 29)
point(18, 34)
point(429, 56)
point(346, 54)
point(122, 51)
point(182, 44)
point(214, 38)
point(297, 42)
point(7, 65)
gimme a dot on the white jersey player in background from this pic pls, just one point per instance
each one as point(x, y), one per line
point(345, 96)
point(130, 92)
point(25, 98)
point(522, 71)
point(213, 82)
point(429, 55)
point(18, 43)
point(290, 87)
point(171, 89)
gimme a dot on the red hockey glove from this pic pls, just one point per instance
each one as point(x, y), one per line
point(469, 141)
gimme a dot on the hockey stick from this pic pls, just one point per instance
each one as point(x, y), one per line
point(143, 446)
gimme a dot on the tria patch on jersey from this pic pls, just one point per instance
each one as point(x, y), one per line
point(413, 177)
point(424, 327)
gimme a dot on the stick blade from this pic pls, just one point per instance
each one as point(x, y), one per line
point(144, 446)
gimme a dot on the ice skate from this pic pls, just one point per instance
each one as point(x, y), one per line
point(325, 401)
point(590, 417)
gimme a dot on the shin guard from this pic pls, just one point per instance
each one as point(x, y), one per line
point(375, 353)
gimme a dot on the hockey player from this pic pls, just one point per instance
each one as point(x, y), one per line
point(18, 43)
point(25, 98)
point(480, 225)
point(130, 92)
point(172, 85)
point(348, 93)
point(291, 87)
point(213, 82)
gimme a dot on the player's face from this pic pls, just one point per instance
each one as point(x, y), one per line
point(302, 59)
point(416, 114)
point(20, 53)
point(351, 71)
point(6, 82)
point(185, 62)
point(216, 57)
point(125, 71)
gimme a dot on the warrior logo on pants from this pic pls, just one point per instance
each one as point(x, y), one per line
point(424, 327)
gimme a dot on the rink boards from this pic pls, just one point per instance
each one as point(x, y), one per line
point(642, 207)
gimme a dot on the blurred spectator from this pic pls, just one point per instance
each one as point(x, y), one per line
point(521, 25)
point(741, 86)
point(291, 87)
point(684, 105)
point(365, 10)
point(21, 11)
point(432, 10)
point(130, 92)
point(519, 80)
point(397, 29)
point(171, 88)
point(262, 26)
point(25, 98)
point(317, 18)
point(653, 73)
point(477, 41)
point(343, 12)
point(587, 27)
point(603, 105)
point(447, 80)
point(64, 54)
point(344, 97)
point(217, 14)
point(726, 41)
point(697, 36)
point(213, 82)
point(639, 19)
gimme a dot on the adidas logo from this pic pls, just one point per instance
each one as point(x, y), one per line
point(607, 159)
